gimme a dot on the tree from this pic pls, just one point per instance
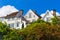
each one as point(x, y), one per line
point(55, 20)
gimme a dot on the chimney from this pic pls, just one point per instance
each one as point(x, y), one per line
point(54, 12)
point(21, 12)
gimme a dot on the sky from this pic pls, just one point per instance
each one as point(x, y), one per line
point(40, 5)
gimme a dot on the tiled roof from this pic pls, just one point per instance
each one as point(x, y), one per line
point(3, 17)
point(15, 13)
point(12, 15)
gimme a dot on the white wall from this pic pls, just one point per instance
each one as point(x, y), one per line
point(15, 20)
point(34, 17)
point(47, 15)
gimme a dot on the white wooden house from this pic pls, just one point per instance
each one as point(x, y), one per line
point(15, 20)
point(32, 16)
point(48, 15)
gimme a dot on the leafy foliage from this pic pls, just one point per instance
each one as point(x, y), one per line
point(55, 20)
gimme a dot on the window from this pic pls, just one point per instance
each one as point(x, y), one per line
point(2, 19)
point(34, 15)
point(8, 19)
point(22, 25)
point(29, 15)
point(12, 18)
point(17, 24)
point(48, 19)
point(26, 17)
point(12, 25)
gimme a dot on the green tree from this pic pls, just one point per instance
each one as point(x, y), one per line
point(55, 20)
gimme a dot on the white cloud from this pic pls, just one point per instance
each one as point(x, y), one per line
point(57, 14)
point(8, 9)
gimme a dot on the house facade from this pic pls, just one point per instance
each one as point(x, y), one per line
point(48, 15)
point(15, 20)
point(31, 15)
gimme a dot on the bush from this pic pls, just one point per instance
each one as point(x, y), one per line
point(38, 30)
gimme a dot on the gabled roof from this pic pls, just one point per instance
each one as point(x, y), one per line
point(47, 12)
point(12, 15)
point(38, 15)
point(35, 12)
point(15, 13)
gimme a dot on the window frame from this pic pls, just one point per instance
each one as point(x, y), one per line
point(29, 15)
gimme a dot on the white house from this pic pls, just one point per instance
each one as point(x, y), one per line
point(15, 20)
point(48, 15)
point(31, 16)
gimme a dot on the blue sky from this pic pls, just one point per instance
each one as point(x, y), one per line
point(40, 5)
